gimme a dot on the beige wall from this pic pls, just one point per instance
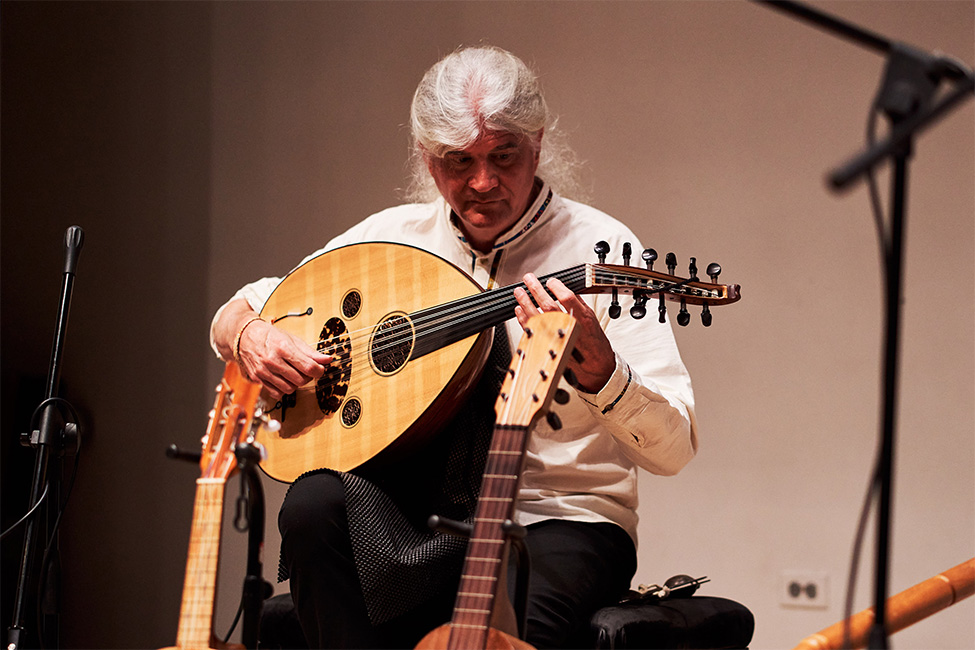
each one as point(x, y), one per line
point(707, 126)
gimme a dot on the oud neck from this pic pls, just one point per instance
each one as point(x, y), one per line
point(486, 550)
point(199, 587)
point(440, 326)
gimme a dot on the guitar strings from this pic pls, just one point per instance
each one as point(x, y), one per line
point(465, 314)
point(432, 321)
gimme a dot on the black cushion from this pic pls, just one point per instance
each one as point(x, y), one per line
point(696, 622)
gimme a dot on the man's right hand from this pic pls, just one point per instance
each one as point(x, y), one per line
point(281, 362)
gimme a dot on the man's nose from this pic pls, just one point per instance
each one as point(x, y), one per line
point(483, 177)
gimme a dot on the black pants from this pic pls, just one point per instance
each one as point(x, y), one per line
point(576, 568)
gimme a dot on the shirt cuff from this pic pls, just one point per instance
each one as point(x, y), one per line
point(609, 395)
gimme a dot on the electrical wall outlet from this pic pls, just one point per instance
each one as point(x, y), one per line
point(806, 589)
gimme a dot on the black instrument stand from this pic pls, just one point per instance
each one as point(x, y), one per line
point(256, 590)
point(907, 98)
point(50, 440)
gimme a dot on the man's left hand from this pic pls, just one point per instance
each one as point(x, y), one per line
point(598, 359)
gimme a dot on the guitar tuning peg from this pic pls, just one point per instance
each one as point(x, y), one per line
point(692, 268)
point(627, 252)
point(553, 420)
point(614, 306)
point(706, 315)
point(561, 396)
point(714, 270)
point(601, 248)
point(671, 263)
point(683, 318)
point(649, 256)
point(570, 377)
point(662, 310)
point(639, 308)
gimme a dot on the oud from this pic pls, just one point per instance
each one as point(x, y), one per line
point(408, 334)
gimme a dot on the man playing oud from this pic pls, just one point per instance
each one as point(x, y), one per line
point(365, 571)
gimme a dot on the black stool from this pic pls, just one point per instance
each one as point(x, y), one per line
point(697, 622)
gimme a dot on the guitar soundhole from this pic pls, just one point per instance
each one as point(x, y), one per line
point(351, 412)
point(331, 389)
point(391, 345)
point(351, 304)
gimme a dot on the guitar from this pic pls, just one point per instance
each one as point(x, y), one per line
point(528, 387)
point(231, 421)
point(410, 335)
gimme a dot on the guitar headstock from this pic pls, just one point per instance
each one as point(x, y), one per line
point(644, 284)
point(232, 421)
point(536, 368)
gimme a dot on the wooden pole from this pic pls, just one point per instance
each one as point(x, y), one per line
point(903, 609)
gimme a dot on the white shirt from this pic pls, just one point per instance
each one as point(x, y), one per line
point(643, 416)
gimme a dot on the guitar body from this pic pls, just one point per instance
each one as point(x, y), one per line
point(377, 397)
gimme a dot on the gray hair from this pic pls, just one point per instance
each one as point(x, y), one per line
point(478, 89)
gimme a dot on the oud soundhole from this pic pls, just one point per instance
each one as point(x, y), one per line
point(391, 345)
point(333, 386)
point(351, 412)
point(351, 304)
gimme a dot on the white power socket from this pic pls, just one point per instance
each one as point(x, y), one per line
point(806, 589)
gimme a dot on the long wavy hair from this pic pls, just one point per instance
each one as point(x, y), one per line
point(478, 89)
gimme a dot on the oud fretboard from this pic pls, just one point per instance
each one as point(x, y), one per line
point(485, 552)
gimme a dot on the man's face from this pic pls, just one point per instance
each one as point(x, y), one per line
point(489, 184)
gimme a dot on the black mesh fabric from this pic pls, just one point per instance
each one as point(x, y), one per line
point(401, 562)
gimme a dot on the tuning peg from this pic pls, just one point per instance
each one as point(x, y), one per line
point(662, 310)
point(671, 263)
point(627, 252)
point(601, 248)
point(553, 420)
point(561, 396)
point(714, 270)
point(683, 318)
point(570, 377)
point(649, 256)
point(639, 308)
point(692, 268)
point(706, 315)
point(614, 306)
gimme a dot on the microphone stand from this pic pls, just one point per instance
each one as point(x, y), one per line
point(906, 96)
point(48, 441)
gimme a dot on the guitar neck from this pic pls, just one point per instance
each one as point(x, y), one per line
point(485, 553)
point(440, 326)
point(199, 588)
